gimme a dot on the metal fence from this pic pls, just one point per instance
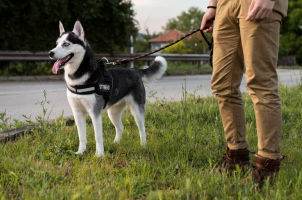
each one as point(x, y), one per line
point(6, 57)
point(43, 56)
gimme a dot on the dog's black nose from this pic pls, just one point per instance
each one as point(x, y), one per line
point(51, 54)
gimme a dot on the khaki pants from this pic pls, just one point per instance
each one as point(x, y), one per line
point(256, 44)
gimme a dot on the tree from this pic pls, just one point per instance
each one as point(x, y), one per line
point(141, 44)
point(186, 21)
point(291, 31)
point(33, 25)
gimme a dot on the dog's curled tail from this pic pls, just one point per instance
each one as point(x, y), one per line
point(155, 71)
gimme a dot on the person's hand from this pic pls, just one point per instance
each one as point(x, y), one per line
point(259, 9)
point(207, 22)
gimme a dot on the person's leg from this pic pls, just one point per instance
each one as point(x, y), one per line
point(226, 79)
point(227, 73)
point(260, 42)
point(260, 46)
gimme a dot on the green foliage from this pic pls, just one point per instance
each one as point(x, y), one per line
point(33, 25)
point(5, 123)
point(142, 44)
point(29, 68)
point(185, 144)
point(179, 48)
point(42, 121)
point(181, 68)
point(291, 31)
point(186, 21)
point(45, 115)
point(197, 44)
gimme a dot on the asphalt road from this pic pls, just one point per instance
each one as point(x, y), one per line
point(21, 98)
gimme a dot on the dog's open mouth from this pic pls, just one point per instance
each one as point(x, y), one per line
point(59, 64)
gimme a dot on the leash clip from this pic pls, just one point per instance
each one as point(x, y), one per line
point(107, 62)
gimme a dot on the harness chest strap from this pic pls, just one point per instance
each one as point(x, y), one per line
point(101, 89)
point(96, 88)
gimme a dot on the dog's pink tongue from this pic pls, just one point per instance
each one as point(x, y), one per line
point(56, 66)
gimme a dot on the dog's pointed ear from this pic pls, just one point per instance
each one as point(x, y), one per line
point(78, 30)
point(61, 27)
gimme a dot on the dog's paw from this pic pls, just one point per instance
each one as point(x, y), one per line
point(116, 141)
point(144, 143)
point(80, 151)
point(99, 154)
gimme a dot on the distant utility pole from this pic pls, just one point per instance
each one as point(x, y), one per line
point(131, 45)
point(131, 50)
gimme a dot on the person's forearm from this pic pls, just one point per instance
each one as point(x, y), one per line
point(208, 17)
point(213, 2)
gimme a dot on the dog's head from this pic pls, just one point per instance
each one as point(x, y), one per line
point(69, 46)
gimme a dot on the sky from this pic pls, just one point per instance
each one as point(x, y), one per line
point(154, 14)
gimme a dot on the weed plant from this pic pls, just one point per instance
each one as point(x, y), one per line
point(6, 123)
point(185, 143)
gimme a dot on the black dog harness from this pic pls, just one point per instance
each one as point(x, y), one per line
point(102, 87)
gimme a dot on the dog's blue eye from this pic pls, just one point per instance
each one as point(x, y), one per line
point(65, 44)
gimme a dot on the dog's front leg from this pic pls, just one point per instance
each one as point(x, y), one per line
point(80, 120)
point(98, 131)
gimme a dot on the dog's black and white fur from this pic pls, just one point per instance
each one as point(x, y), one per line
point(75, 55)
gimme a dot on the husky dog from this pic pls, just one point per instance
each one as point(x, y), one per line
point(74, 54)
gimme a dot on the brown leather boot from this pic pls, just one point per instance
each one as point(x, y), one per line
point(265, 168)
point(232, 158)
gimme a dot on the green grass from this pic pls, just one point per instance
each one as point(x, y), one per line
point(185, 142)
point(181, 68)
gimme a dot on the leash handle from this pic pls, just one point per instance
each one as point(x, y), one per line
point(205, 38)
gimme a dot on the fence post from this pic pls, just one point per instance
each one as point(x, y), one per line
point(198, 65)
point(4, 68)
